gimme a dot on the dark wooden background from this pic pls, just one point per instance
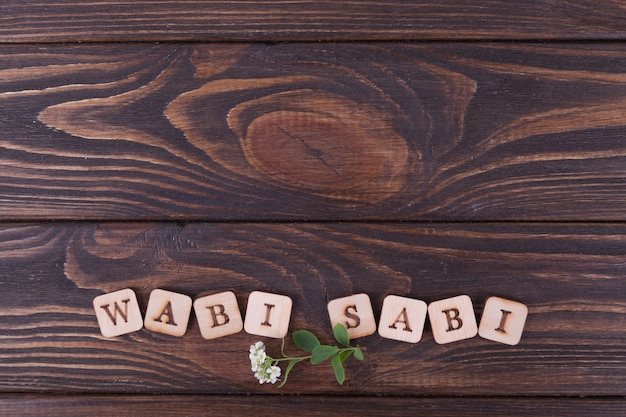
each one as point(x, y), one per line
point(317, 150)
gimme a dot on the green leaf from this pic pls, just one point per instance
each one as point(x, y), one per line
point(341, 334)
point(323, 352)
point(287, 370)
point(305, 340)
point(340, 373)
point(358, 354)
point(345, 355)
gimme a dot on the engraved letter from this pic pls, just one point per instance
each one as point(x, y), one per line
point(117, 309)
point(452, 315)
point(505, 315)
point(267, 315)
point(402, 318)
point(352, 316)
point(215, 314)
point(167, 311)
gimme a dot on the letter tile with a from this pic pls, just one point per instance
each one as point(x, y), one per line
point(168, 312)
point(402, 319)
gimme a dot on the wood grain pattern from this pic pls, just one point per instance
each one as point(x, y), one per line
point(250, 136)
point(316, 406)
point(314, 132)
point(157, 20)
point(571, 276)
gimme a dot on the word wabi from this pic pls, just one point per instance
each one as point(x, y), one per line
point(268, 315)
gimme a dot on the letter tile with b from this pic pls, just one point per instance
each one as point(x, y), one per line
point(218, 315)
point(452, 319)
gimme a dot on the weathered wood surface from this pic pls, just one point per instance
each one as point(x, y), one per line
point(245, 131)
point(571, 276)
point(56, 21)
point(316, 406)
point(313, 131)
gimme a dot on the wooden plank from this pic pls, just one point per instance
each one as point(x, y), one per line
point(313, 132)
point(214, 405)
point(155, 20)
point(571, 277)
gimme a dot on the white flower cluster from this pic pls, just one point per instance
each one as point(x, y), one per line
point(262, 365)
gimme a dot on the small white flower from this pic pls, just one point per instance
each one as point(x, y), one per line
point(258, 376)
point(261, 364)
point(257, 354)
point(257, 346)
point(274, 374)
point(262, 378)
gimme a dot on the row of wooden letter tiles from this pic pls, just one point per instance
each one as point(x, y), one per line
point(268, 314)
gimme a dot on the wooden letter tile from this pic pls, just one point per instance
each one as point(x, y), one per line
point(503, 320)
point(452, 319)
point(118, 313)
point(168, 312)
point(218, 315)
point(354, 312)
point(402, 319)
point(268, 314)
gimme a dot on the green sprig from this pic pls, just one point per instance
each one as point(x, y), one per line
point(319, 353)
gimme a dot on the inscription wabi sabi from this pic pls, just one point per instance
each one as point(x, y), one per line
point(268, 315)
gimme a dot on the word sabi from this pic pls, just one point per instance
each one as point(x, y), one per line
point(268, 315)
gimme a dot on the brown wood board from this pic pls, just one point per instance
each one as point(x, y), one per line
point(313, 131)
point(422, 149)
point(88, 21)
point(216, 405)
point(569, 275)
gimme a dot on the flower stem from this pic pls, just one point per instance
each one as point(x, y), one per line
point(289, 358)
